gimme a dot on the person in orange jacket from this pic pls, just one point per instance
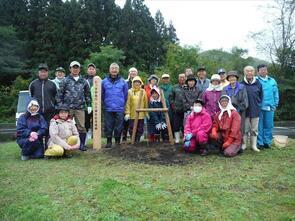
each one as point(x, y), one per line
point(226, 130)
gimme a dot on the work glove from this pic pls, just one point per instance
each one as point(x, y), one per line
point(187, 144)
point(89, 110)
point(188, 137)
point(158, 126)
point(127, 117)
point(164, 125)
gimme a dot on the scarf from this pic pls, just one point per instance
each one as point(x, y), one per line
point(228, 108)
point(214, 87)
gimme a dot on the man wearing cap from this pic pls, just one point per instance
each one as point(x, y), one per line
point(270, 102)
point(222, 73)
point(167, 90)
point(114, 96)
point(91, 72)
point(59, 76)
point(45, 92)
point(176, 103)
point(202, 81)
point(75, 93)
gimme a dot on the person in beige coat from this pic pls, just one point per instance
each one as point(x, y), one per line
point(64, 136)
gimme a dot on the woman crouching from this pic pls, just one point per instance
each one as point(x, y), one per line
point(226, 130)
point(64, 136)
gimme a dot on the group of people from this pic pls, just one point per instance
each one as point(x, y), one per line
point(222, 112)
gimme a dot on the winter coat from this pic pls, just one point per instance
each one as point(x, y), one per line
point(270, 93)
point(189, 96)
point(176, 98)
point(228, 127)
point(60, 130)
point(133, 99)
point(45, 92)
point(74, 94)
point(155, 117)
point(26, 124)
point(202, 86)
point(114, 94)
point(210, 99)
point(198, 124)
point(255, 96)
point(239, 97)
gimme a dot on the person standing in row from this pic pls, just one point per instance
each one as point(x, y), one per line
point(223, 81)
point(45, 92)
point(60, 74)
point(176, 103)
point(255, 96)
point(202, 80)
point(133, 72)
point(270, 103)
point(114, 97)
point(167, 91)
point(75, 93)
point(91, 73)
point(153, 81)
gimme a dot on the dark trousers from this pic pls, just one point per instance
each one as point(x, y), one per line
point(140, 126)
point(113, 123)
point(88, 120)
point(125, 129)
point(33, 149)
point(178, 121)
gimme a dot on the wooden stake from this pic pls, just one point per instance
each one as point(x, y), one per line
point(96, 123)
point(171, 140)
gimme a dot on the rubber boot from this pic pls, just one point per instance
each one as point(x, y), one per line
point(137, 139)
point(117, 141)
point(254, 143)
point(151, 138)
point(109, 142)
point(203, 150)
point(82, 141)
point(244, 144)
point(177, 137)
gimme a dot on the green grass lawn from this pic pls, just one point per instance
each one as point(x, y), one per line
point(96, 186)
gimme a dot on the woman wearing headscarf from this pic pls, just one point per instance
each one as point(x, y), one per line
point(226, 133)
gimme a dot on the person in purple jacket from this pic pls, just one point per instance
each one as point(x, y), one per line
point(114, 97)
point(211, 96)
point(255, 96)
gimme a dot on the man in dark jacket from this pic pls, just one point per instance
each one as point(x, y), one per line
point(114, 96)
point(176, 103)
point(255, 96)
point(45, 92)
point(74, 93)
point(202, 80)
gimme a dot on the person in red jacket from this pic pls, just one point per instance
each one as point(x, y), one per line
point(226, 130)
point(197, 129)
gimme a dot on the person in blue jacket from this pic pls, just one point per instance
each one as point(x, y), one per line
point(31, 127)
point(255, 96)
point(114, 97)
point(270, 102)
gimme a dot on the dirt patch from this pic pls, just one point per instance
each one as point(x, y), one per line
point(159, 153)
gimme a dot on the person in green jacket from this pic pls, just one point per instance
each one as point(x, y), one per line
point(167, 90)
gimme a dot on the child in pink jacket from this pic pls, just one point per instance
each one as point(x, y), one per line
point(197, 129)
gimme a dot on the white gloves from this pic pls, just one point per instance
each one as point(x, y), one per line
point(164, 126)
point(89, 110)
point(158, 126)
point(127, 117)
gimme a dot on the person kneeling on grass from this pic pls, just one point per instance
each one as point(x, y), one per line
point(157, 124)
point(31, 127)
point(64, 136)
point(132, 104)
point(226, 130)
point(197, 129)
